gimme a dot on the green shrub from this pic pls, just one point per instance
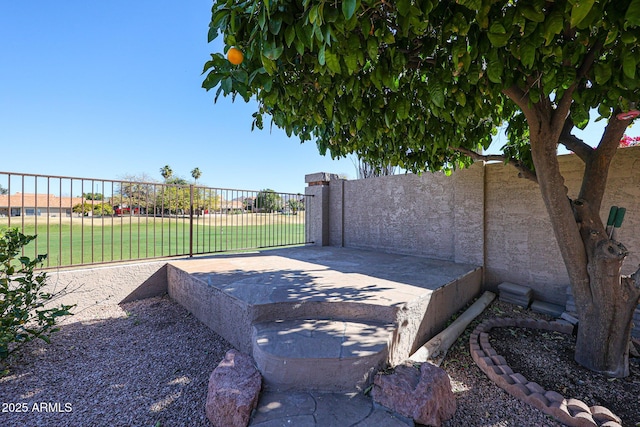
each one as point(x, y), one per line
point(22, 300)
point(102, 209)
point(82, 208)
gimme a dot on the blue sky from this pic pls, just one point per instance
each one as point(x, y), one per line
point(109, 89)
point(106, 89)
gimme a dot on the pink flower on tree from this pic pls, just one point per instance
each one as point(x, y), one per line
point(629, 141)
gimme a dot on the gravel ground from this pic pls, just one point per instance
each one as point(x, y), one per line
point(147, 363)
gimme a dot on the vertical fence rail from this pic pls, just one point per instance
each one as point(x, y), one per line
point(85, 221)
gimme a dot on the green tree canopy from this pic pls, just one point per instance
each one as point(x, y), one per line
point(268, 201)
point(435, 74)
point(93, 196)
point(425, 84)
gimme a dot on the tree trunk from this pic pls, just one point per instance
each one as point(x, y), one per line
point(604, 299)
point(605, 319)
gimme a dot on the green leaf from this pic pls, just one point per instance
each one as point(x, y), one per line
point(389, 38)
point(471, 4)
point(495, 69)
point(321, 55)
point(632, 17)
point(497, 28)
point(289, 35)
point(403, 108)
point(602, 72)
point(333, 62)
point(348, 8)
point(313, 14)
point(531, 13)
point(436, 93)
point(498, 35)
point(629, 65)
point(372, 48)
point(268, 64)
point(628, 37)
point(272, 51)
point(275, 23)
point(331, 14)
point(580, 10)
point(328, 107)
point(212, 80)
point(351, 60)
point(604, 110)
point(553, 24)
point(528, 54)
point(580, 116)
point(299, 44)
point(262, 19)
point(403, 7)
point(612, 35)
point(227, 85)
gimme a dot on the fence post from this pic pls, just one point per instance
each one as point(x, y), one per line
point(191, 221)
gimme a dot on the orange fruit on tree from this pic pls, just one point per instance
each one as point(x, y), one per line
point(235, 56)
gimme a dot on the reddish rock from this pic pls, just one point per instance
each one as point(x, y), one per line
point(234, 389)
point(422, 394)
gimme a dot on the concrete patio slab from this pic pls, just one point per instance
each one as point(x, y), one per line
point(330, 300)
point(312, 409)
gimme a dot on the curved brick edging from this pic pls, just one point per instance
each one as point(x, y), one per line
point(572, 412)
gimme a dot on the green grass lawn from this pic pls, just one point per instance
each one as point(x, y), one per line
point(86, 242)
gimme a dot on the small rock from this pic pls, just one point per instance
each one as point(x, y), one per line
point(234, 389)
point(424, 395)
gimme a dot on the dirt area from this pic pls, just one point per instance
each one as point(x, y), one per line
point(542, 357)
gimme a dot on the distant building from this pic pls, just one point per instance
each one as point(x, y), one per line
point(25, 204)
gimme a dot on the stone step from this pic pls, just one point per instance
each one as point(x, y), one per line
point(547, 308)
point(320, 354)
point(515, 294)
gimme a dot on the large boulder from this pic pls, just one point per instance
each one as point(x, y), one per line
point(423, 394)
point(234, 389)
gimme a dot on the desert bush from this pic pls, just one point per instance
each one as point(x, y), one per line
point(23, 315)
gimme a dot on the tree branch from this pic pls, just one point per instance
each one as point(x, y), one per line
point(481, 157)
point(524, 172)
point(519, 97)
point(596, 171)
point(573, 143)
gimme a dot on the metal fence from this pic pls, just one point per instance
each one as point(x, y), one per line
point(83, 221)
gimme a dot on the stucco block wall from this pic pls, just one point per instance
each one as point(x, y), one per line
point(520, 244)
point(90, 289)
point(484, 215)
point(411, 214)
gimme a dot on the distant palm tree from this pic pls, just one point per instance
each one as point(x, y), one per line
point(196, 174)
point(166, 172)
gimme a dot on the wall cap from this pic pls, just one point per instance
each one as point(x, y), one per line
point(320, 177)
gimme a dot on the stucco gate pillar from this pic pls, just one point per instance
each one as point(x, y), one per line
point(318, 211)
